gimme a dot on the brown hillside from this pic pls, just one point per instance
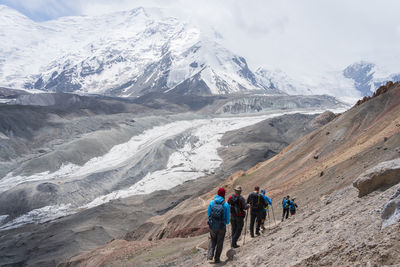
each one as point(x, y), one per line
point(313, 168)
point(323, 161)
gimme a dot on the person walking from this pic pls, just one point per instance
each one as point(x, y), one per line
point(218, 217)
point(238, 212)
point(268, 202)
point(257, 204)
point(285, 206)
point(292, 207)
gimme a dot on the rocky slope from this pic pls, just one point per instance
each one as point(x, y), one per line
point(90, 202)
point(94, 227)
point(334, 225)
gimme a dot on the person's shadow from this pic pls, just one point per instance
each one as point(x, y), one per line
point(222, 263)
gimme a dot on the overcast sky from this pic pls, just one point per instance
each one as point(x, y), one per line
point(298, 36)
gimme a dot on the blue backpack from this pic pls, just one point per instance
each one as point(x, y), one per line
point(216, 220)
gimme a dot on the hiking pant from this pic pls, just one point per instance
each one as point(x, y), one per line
point(292, 212)
point(285, 211)
point(255, 215)
point(216, 243)
point(237, 226)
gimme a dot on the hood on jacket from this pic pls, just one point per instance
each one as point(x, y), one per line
point(218, 199)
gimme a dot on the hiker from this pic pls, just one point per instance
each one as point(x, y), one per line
point(292, 207)
point(257, 204)
point(238, 213)
point(268, 202)
point(218, 217)
point(285, 206)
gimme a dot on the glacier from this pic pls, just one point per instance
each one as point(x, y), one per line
point(196, 158)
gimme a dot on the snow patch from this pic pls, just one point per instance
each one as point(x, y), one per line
point(3, 136)
point(392, 219)
point(45, 214)
point(2, 218)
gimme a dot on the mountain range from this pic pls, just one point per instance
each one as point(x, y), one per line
point(145, 50)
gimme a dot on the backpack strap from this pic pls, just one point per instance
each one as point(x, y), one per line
point(240, 206)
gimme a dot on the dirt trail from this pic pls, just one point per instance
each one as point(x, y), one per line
point(340, 230)
point(203, 203)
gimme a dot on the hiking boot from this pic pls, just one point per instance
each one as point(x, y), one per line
point(257, 233)
point(236, 246)
point(209, 258)
point(252, 236)
point(217, 261)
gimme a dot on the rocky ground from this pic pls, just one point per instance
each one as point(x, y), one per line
point(334, 226)
point(339, 230)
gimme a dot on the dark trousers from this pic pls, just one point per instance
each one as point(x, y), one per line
point(292, 212)
point(255, 215)
point(285, 211)
point(216, 243)
point(237, 226)
point(263, 217)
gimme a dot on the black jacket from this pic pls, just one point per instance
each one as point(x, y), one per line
point(256, 201)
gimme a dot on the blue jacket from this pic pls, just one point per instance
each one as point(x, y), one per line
point(267, 199)
point(227, 210)
point(292, 205)
point(284, 201)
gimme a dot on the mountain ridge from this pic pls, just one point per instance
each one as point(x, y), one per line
point(137, 54)
point(147, 50)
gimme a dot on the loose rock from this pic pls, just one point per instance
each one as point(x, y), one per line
point(384, 174)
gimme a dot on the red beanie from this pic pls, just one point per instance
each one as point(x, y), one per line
point(221, 192)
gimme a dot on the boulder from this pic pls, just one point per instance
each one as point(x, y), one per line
point(322, 119)
point(383, 175)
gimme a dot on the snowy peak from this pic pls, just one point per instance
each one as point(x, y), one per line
point(357, 80)
point(133, 53)
point(365, 79)
point(279, 80)
point(362, 73)
point(10, 16)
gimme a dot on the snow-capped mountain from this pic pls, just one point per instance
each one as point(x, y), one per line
point(357, 80)
point(367, 78)
point(278, 79)
point(122, 54)
point(135, 52)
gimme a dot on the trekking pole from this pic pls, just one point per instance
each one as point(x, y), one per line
point(245, 228)
point(272, 207)
point(230, 252)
